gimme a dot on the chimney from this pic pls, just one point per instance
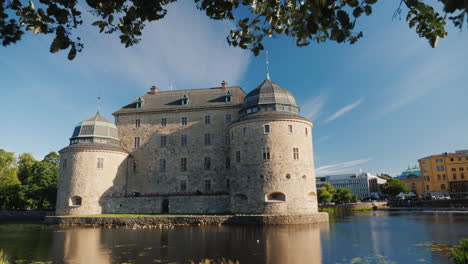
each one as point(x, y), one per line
point(153, 89)
point(223, 84)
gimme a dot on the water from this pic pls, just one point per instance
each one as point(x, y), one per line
point(374, 237)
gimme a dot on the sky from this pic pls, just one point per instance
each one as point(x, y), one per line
point(377, 106)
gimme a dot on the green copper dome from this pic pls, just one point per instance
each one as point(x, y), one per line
point(96, 129)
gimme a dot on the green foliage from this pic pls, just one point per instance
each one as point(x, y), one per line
point(3, 258)
point(303, 21)
point(30, 185)
point(394, 186)
point(325, 194)
point(343, 195)
point(459, 253)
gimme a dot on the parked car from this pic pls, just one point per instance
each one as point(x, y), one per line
point(440, 197)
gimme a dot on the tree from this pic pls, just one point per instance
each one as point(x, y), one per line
point(343, 195)
point(53, 157)
point(324, 196)
point(305, 21)
point(394, 186)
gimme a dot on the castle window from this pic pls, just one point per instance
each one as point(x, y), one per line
point(183, 164)
point(228, 118)
point(136, 142)
point(183, 140)
point(228, 97)
point(207, 119)
point(183, 185)
point(185, 100)
point(266, 154)
point(163, 122)
point(454, 176)
point(135, 165)
point(162, 165)
point(266, 129)
point(100, 163)
point(207, 164)
point(296, 153)
point(288, 176)
point(137, 123)
point(207, 185)
point(245, 131)
point(306, 131)
point(312, 196)
point(207, 139)
point(64, 164)
point(228, 139)
point(238, 156)
point(139, 103)
point(290, 128)
point(184, 121)
point(163, 141)
point(276, 196)
point(442, 186)
point(228, 183)
point(75, 201)
point(228, 162)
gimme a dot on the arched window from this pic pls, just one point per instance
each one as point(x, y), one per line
point(304, 177)
point(240, 198)
point(75, 201)
point(312, 196)
point(442, 186)
point(276, 196)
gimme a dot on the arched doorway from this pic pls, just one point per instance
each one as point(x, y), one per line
point(165, 206)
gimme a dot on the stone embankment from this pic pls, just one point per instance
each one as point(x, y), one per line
point(358, 206)
point(14, 215)
point(160, 220)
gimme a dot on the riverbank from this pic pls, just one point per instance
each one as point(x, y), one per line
point(180, 220)
point(24, 215)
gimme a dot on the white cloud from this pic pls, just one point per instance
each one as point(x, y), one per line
point(339, 168)
point(319, 140)
point(185, 49)
point(343, 111)
point(313, 108)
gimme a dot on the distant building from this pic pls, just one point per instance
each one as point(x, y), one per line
point(410, 171)
point(445, 174)
point(414, 183)
point(363, 185)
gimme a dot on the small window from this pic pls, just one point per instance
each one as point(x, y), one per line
point(162, 165)
point(240, 198)
point(266, 154)
point(245, 131)
point(228, 97)
point(238, 156)
point(454, 176)
point(183, 140)
point(183, 164)
point(207, 139)
point(425, 169)
point(461, 169)
point(442, 186)
point(228, 162)
point(454, 169)
point(136, 142)
point(459, 159)
point(185, 100)
point(427, 188)
point(207, 185)
point(304, 177)
point(462, 176)
point(163, 141)
point(64, 164)
point(288, 176)
point(184, 121)
point(183, 185)
point(137, 123)
point(439, 177)
point(75, 201)
point(139, 103)
point(296, 153)
point(444, 177)
point(163, 122)
point(100, 163)
point(228, 118)
point(207, 164)
point(228, 183)
point(306, 131)
point(276, 196)
point(228, 139)
point(266, 129)
point(207, 119)
point(290, 128)
point(451, 159)
point(136, 164)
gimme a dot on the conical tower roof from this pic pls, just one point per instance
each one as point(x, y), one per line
point(96, 127)
point(269, 92)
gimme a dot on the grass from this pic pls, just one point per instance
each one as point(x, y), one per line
point(3, 258)
point(459, 253)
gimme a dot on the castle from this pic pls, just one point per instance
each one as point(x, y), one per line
point(214, 150)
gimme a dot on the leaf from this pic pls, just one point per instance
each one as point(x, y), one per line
point(368, 10)
point(357, 12)
point(72, 53)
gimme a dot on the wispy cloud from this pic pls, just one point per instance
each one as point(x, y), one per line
point(320, 140)
point(343, 111)
point(339, 168)
point(313, 108)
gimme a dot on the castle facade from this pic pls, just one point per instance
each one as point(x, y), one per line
point(215, 150)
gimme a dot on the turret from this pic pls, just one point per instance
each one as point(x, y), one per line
point(272, 156)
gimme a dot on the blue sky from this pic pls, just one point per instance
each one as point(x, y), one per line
point(377, 105)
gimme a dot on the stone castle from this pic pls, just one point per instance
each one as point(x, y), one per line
point(214, 150)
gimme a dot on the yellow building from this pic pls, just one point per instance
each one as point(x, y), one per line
point(445, 174)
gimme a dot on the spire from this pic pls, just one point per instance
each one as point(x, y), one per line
point(267, 70)
point(99, 106)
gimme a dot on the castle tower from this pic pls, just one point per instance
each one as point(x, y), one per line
point(89, 167)
point(272, 156)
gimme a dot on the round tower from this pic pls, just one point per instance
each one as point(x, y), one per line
point(89, 167)
point(272, 155)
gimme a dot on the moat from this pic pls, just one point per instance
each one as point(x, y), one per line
point(367, 237)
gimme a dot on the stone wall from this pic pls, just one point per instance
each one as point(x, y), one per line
point(358, 206)
point(257, 179)
point(176, 205)
point(81, 178)
point(7, 215)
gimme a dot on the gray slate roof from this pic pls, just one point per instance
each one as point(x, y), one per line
point(96, 126)
point(198, 98)
point(269, 92)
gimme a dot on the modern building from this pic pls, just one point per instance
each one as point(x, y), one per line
point(363, 185)
point(445, 174)
point(213, 150)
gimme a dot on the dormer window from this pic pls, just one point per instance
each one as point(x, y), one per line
point(228, 97)
point(185, 100)
point(139, 103)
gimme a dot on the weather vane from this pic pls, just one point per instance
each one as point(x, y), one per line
point(267, 70)
point(99, 105)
